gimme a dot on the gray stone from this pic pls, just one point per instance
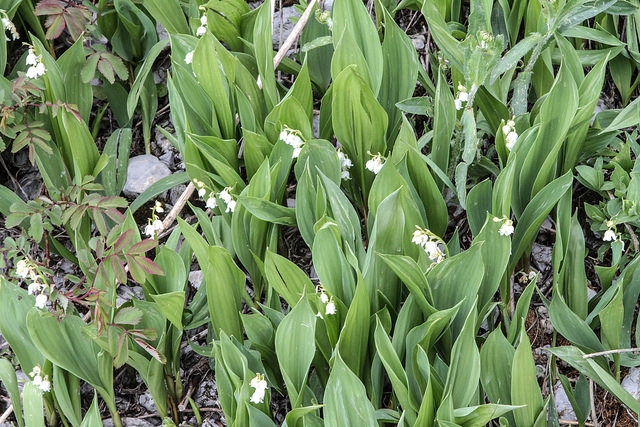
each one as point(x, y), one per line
point(195, 278)
point(631, 382)
point(144, 171)
point(283, 25)
point(147, 402)
point(418, 41)
point(129, 422)
point(563, 406)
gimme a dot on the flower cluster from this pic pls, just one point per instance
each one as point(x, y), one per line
point(204, 24)
point(430, 243)
point(24, 270)
point(463, 96)
point(9, 26)
point(260, 385)
point(227, 198)
point(36, 68)
point(345, 165)
point(329, 304)
point(38, 380)
point(485, 38)
point(292, 137)
point(211, 201)
point(155, 224)
point(611, 235)
point(510, 134)
point(375, 163)
point(188, 58)
point(506, 229)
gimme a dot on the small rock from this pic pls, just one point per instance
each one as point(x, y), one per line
point(195, 278)
point(176, 192)
point(418, 41)
point(591, 293)
point(207, 394)
point(147, 402)
point(144, 171)
point(563, 406)
point(128, 422)
point(283, 17)
point(631, 382)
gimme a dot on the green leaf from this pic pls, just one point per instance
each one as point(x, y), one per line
point(145, 69)
point(33, 405)
point(360, 124)
point(269, 211)
point(496, 359)
point(524, 385)
point(15, 303)
point(354, 29)
point(295, 348)
point(171, 305)
point(534, 215)
point(92, 417)
point(169, 14)
point(394, 369)
point(157, 188)
point(10, 383)
point(400, 71)
point(64, 343)
point(592, 370)
point(463, 377)
point(354, 336)
point(225, 286)
point(288, 280)
point(263, 48)
point(345, 399)
point(413, 278)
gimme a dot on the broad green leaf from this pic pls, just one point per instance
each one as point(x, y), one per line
point(145, 69)
point(171, 305)
point(354, 336)
point(441, 35)
point(169, 14)
point(67, 390)
point(295, 348)
point(158, 188)
point(33, 405)
point(444, 122)
point(214, 82)
point(524, 384)
point(10, 383)
point(263, 48)
point(360, 124)
point(496, 359)
point(345, 399)
point(463, 377)
point(400, 71)
point(556, 115)
point(352, 20)
point(288, 280)
point(534, 215)
point(413, 278)
point(66, 345)
point(572, 327)
point(396, 373)
point(269, 211)
point(92, 417)
point(225, 286)
point(478, 416)
point(594, 371)
point(457, 279)
point(15, 303)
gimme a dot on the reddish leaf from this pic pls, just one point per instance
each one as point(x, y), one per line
point(148, 266)
point(143, 246)
point(55, 26)
point(123, 241)
point(151, 350)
